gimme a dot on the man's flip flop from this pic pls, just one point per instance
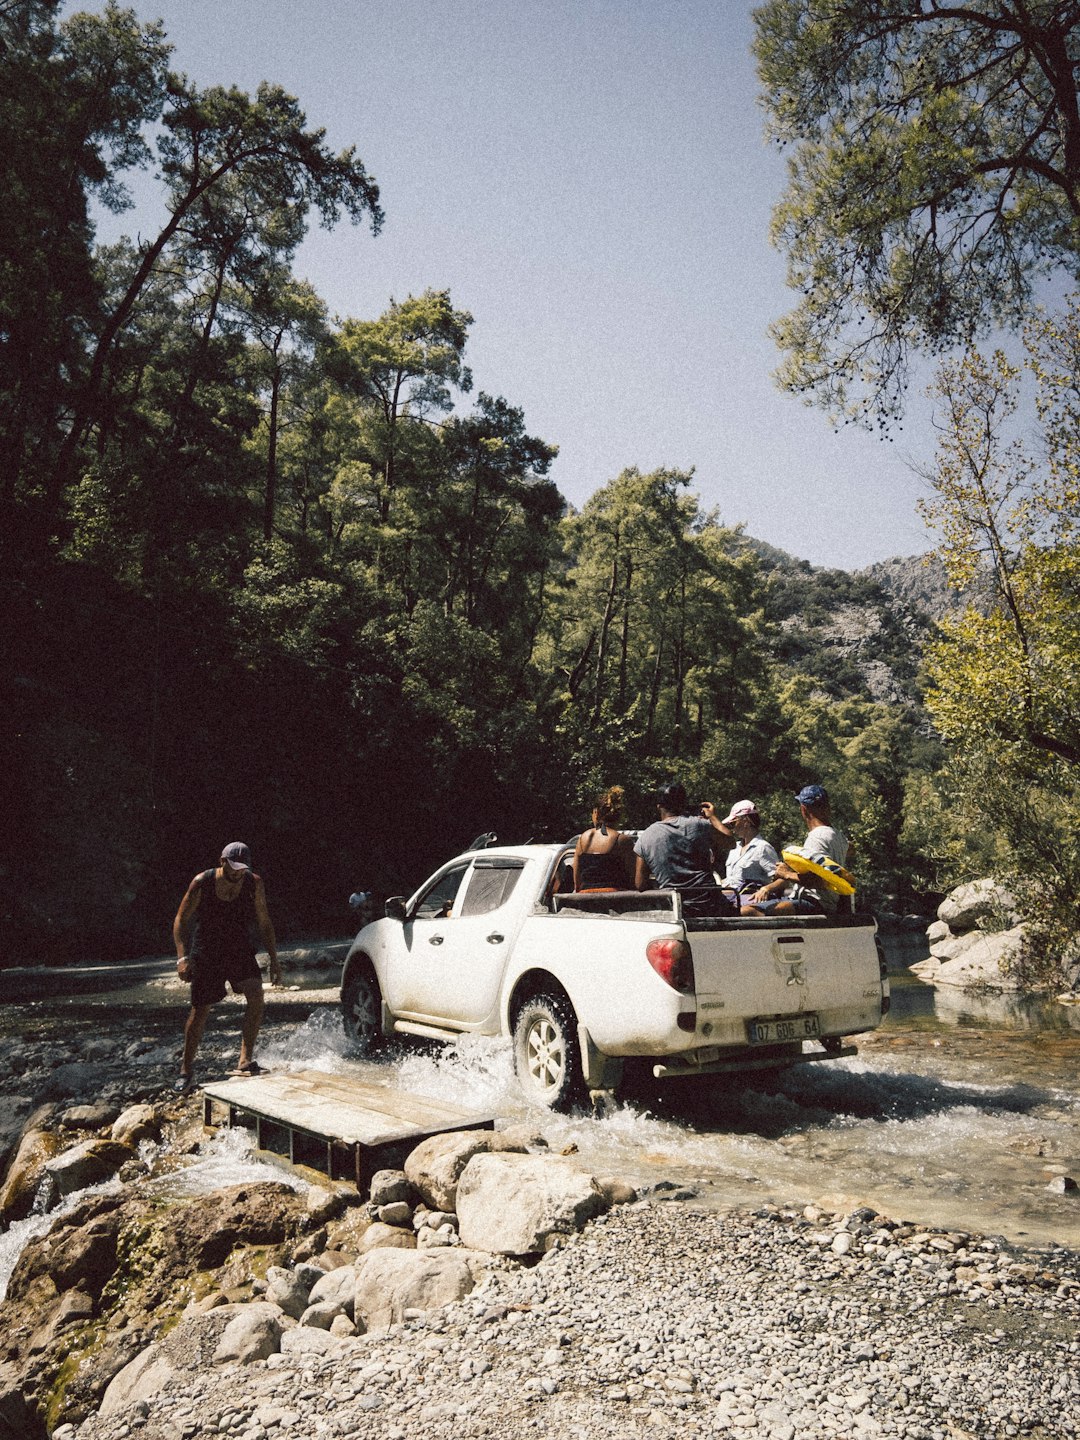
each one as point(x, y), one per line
point(251, 1068)
point(183, 1083)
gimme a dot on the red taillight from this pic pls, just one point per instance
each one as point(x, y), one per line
point(673, 961)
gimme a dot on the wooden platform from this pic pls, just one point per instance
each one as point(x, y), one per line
point(341, 1126)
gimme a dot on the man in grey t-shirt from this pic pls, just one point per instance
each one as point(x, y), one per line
point(678, 852)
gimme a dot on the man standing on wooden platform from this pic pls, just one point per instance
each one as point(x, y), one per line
point(212, 931)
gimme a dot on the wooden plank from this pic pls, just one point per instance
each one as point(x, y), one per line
point(338, 1108)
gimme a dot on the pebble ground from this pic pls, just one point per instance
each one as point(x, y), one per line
point(662, 1320)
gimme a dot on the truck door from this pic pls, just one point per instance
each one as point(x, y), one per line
point(455, 943)
point(479, 938)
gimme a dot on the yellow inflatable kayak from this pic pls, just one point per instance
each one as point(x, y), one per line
point(832, 875)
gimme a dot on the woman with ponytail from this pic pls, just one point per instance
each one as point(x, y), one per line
point(604, 856)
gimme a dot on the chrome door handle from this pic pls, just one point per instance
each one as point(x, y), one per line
point(435, 940)
point(495, 938)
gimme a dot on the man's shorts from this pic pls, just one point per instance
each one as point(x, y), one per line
point(209, 977)
point(800, 905)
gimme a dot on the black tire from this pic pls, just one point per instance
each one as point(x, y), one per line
point(361, 1010)
point(547, 1056)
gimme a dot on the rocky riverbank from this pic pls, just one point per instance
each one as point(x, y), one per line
point(492, 1286)
point(663, 1320)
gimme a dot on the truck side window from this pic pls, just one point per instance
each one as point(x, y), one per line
point(438, 898)
point(489, 887)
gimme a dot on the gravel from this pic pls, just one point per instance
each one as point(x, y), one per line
point(661, 1319)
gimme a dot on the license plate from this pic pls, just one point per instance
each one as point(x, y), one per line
point(770, 1032)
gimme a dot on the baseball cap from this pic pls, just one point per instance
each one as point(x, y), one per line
point(813, 795)
point(672, 797)
point(741, 807)
point(236, 855)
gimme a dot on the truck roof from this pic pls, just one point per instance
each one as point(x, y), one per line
point(519, 852)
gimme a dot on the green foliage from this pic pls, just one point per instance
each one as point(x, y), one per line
point(934, 176)
point(272, 575)
point(1005, 677)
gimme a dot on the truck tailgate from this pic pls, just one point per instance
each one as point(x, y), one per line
point(761, 969)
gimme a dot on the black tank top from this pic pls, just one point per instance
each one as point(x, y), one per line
point(223, 927)
point(596, 872)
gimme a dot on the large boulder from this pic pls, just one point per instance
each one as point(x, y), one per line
point(87, 1164)
point(207, 1230)
point(336, 1288)
point(141, 1379)
point(36, 1149)
point(389, 1187)
point(289, 1289)
point(385, 1237)
point(965, 906)
point(137, 1123)
point(78, 1252)
point(973, 961)
point(391, 1282)
point(515, 1204)
point(19, 1419)
point(436, 1165)
point(252, 1333)
point(311, 1340)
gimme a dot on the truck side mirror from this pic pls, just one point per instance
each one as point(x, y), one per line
point(395, 908)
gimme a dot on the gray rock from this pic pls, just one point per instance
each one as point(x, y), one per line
point(142, 1379)
point(288, 1289)
point(385, 1237)
point(516, 1204)
point(322, 1315)
point(137, 1123)
point(969, 903)
point(435, 1166)
point(87, 1164)
point(1063, 1185)
point(89, 1117)
point(388, 1187)
point(253, 1333)
point(306, 1340)
point(336, 1288)
point(24, 1174)
point(396, 1213)
point(980, 962)
point(390, 1282)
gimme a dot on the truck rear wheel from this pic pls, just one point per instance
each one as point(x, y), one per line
point(547, 1056)
point(361, 1010)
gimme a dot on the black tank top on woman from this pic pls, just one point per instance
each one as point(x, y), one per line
point(600, 871)
point(223, 927)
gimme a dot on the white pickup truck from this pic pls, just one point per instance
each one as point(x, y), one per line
point(492, 944)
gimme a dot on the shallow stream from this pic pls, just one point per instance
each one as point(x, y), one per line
point(959, 1112)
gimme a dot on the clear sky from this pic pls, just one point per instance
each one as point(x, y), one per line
point(589, 178)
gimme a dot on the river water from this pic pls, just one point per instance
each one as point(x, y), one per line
point(958, 1112)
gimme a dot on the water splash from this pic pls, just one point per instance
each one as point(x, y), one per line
point(227, 1159)
point(40, 1221)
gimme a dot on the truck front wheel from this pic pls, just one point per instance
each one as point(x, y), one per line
point(361, 1010)
point(547, 1056)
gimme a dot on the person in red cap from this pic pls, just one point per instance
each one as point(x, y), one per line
point(212, 931)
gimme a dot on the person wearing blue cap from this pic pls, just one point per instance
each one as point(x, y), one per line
point(212, 931)
point(791, 892)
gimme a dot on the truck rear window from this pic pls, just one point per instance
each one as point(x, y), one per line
point(489, 887)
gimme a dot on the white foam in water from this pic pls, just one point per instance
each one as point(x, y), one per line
point(225, 1160)
point(19, 1233)
point(476, 1073)
point(318, 1044)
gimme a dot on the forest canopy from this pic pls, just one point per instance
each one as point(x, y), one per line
point(284, 577)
